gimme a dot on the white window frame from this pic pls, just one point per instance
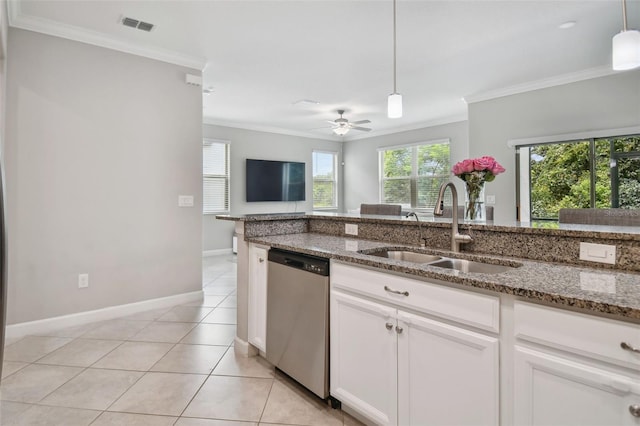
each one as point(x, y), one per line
point(414, 170)
point(227, 177)
point(335, 179)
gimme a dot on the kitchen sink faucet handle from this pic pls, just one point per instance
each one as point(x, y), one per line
point(628, 347)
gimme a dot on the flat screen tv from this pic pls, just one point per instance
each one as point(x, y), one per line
point(275, 180)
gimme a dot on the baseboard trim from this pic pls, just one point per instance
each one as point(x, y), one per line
point(218, 252)
point(243, 347)
point(22, 329)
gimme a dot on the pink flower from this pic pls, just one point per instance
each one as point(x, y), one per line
point(484, 168)
point(497, 169)
point(484, 163)
point(464, 166)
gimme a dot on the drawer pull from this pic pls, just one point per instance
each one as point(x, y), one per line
point(261, 259)
point(628, 347)
point(389, 326)
point(634, 410)
point(399, 330)
point(390, 290)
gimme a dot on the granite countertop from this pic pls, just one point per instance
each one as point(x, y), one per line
point(547, 228)
point(605, 291)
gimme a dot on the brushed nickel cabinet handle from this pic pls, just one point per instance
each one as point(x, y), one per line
point(634, 410)
point(261, 259)
point(390, 290)
point(628, 347)
point(399, 330)
point(389, 326)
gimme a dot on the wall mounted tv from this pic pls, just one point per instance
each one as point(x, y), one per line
point(275, 180)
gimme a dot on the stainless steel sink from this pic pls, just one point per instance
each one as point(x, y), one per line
point(407, 256)
point(464, 265)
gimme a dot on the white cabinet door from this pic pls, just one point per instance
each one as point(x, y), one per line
point(553, 390)
point(446, 375)
point(257, 327)
point(364, 357)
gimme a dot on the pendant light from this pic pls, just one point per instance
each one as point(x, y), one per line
point(394, 106)
point(626, 46)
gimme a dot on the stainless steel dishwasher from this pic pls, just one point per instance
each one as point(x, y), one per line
point(298, 318)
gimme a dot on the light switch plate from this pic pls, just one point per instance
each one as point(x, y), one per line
point(185, 200)
point(351, 229)
point(83, 280)
point(601, 253)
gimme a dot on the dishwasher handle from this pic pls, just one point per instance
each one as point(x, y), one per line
point(294, 263)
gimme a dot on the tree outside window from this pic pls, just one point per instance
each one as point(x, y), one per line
point(412, 175)
point(591, 173)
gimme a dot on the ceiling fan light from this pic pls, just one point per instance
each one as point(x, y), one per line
point(341, 131)
point(626, 50)
point(394, 107)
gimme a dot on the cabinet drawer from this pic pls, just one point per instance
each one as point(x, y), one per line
point(474, 309)
point(586, 335)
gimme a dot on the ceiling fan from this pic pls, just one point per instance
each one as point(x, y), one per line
point(341, 126)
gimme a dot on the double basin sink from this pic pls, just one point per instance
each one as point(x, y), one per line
point(462, 265)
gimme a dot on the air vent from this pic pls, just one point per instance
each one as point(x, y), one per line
point(145, 26)
point(134, 23)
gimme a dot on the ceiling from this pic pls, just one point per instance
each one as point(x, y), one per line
point(261, 57)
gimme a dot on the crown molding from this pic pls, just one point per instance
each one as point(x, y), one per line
point(281, 131)
point(267, 129)
point(70, 32)
point(415, 126)
point(558, 80)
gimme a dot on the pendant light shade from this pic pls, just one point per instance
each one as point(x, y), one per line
point(626, 50)
point(626, 46)
point(394, 105)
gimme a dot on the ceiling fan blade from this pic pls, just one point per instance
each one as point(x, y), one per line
point(321, 128)
point(361, 122)
point(331, 122)
point(364, 129)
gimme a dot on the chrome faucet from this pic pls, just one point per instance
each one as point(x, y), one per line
point(423, 240)
point(456, 237)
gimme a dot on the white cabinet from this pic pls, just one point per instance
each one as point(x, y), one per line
point(257, 292)
point(555, 390)
point(446, 374)
point(570, 369)
point(398, 367)
point(364, 357)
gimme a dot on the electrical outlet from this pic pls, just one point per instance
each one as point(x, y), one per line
point(601, 253)
point(185, 200)
point(83, 280)
point(350, 229)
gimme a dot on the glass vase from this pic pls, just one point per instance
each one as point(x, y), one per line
point(474, 203)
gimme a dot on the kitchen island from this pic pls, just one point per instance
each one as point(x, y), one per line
point(543, 340)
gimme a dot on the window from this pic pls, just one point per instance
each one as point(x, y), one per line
point(215, 173)
point(412, 175)
point(325, 180)
point(601, 172)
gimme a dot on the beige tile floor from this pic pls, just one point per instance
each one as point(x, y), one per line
point(173, 366)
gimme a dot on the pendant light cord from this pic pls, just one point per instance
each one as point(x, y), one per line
point(394, 47)
point(624, 15)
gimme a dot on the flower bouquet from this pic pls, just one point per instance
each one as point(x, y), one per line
point(475, 172)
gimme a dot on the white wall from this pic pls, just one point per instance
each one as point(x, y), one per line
point(602, 103)
point(361, 158)
point(264, 146)
point(99, 145)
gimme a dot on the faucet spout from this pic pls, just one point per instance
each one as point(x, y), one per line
point(423, 240)
point(456, 237)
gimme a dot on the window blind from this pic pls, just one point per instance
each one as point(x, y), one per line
point(215, 172)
